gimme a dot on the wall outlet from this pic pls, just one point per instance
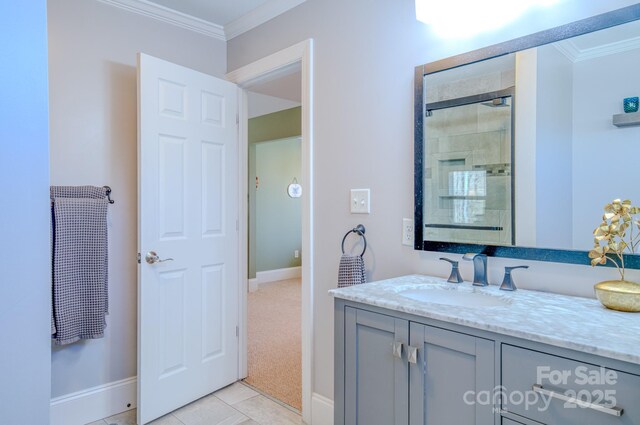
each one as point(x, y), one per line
point(360, 201)
point(296, 254)
point(407, 231)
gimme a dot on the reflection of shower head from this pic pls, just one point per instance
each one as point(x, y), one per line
point(500, 102)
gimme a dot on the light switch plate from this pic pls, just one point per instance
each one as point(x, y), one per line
point(360, 201)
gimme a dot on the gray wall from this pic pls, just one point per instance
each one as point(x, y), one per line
point(599, 86)
point(364, 61)
point(278, 217)
point(554, 136)
point(93, 49)
point(25, 286)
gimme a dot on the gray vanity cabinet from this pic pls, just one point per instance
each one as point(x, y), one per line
point(376, 378)
point(384, 384)
point(451, 370)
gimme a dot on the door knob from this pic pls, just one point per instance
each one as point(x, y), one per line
point(153, 258)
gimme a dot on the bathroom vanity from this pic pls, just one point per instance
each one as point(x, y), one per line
point(507, 139)
point(419, 350)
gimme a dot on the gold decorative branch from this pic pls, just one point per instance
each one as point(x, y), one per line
point(618, 233)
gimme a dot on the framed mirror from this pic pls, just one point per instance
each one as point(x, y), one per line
point(518, 146)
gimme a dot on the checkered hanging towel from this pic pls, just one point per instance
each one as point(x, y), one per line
point(80, 263)
point(351, 270)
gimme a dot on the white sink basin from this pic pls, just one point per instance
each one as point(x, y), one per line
point(455, 295)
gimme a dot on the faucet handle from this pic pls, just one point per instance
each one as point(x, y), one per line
point(455, 271)
point(507, 283)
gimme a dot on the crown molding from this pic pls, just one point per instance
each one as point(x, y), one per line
point(259, 16)
point(170, 16)
point(571, 51)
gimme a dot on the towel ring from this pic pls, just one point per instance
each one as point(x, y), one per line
point(359, 229)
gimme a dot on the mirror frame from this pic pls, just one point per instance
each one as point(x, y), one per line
point(584, 26)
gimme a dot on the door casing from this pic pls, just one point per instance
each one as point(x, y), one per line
point(298, 55)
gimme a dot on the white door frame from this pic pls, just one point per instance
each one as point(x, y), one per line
point(300, 54)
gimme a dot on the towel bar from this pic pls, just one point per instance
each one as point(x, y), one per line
point(108, 193)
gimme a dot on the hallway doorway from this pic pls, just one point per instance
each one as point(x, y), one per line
point(274, 301)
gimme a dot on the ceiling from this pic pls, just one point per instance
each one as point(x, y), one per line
point(220, 12)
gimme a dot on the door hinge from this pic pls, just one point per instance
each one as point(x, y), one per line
point(237, 225)
point(139, 258)
point(237, 331)
point(237, 118)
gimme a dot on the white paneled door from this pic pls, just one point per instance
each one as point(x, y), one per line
point(188, 240)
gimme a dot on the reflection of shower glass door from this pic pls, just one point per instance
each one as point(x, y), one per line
point(468, 177)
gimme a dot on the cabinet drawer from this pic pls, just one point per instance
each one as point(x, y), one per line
point(520, 421)
point(537, 386)
point(506, 421)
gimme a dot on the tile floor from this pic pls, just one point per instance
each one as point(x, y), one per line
point(236, 404)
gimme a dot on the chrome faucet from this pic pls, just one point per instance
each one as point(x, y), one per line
point(479, 268)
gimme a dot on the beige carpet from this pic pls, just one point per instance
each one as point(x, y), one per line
point(275, 360)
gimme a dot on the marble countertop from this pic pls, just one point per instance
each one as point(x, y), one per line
point(580, 324)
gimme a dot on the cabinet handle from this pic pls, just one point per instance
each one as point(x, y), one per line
point(615, 410)
point(397, 349)
point(412, 354)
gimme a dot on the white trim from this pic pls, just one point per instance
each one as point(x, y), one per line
point(259, 16)
point(95, 403)
point(278, 274)
point(279, 63)
point(253, 285)
point(301, 53)
point(243, 227)
point(568, 49)
point(269, 276)
point(575, 54)
point(244, 23)
point(170, 16)
point(322, 409)
point(308, 286)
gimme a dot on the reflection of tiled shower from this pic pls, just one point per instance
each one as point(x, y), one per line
point(462, 186)
point(468, 179)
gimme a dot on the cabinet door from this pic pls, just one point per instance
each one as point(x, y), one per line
point(451, 374)
point(376, 380)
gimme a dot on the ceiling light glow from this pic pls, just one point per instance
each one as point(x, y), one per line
point(465, 18)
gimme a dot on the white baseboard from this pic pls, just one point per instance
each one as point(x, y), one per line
point(321, 410)
point(95, 403)
point(277, 274)
point(253, 285)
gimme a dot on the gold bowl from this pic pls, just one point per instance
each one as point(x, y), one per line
point(619, 295)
